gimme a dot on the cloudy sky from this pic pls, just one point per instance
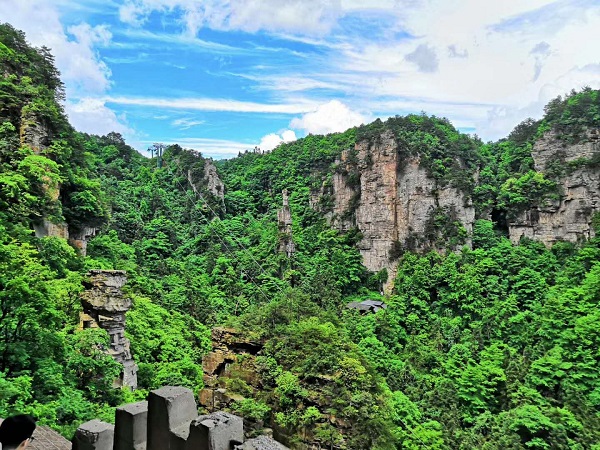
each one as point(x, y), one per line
point(225, 75)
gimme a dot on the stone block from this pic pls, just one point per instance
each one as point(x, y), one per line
point(261, 443)
point(216, 431)
point(131, 426)
point(170, 410)
point(94, 435)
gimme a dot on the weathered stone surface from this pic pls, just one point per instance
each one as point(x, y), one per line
point(94, 435)
point(131, 426)
point(47, 228)
point(227, 344)
point(214, 185)
point(395, 201)
point(284, 222)
point(104, 306)
point(261, 443)
point(34, 132)
point(210, 181)
point(216, 431)
point(570, 217)
point(79, 238)
point(170, 411)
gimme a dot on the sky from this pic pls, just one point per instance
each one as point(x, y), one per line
point(223, 76)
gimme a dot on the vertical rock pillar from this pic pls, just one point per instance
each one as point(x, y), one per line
point(104, 306)
point(284, 221)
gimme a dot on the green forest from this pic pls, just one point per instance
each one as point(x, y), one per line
point(492, 345)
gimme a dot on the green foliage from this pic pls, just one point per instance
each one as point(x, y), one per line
point(251, 409)
point(572, 115)
point(491, 347)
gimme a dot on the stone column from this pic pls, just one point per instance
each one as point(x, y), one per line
point(170, 411)
point(216, 431)
point(94, 435)
point(131, 426)
point(104, 306)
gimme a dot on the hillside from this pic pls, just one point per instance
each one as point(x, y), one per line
point(487, 254)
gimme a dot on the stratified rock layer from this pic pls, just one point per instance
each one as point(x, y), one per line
point(570, 217)
point(104, 306)
point(392, 203)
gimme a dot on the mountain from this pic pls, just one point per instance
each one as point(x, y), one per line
point(486, 252)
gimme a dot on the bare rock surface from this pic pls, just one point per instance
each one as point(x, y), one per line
point(570, 217)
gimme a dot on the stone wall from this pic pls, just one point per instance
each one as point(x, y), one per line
point(169, 420)
point(104, 306)
point(569, 218)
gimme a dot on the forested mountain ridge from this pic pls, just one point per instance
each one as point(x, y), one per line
point(492, 345)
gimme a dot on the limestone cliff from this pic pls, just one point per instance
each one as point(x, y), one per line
point(570, 217)
point(214, 185)
point(204, 179)
point(34, 132)
point(394, 202)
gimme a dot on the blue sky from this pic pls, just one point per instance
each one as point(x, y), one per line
point(222, 76)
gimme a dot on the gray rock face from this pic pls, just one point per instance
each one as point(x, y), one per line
point(393, 201)
point(171, 409)
point(570, 217)
point(34, 133)
point(94, 435)
point(213, 183)
point(104, 306)
point(284, 223)
point(216, 431)
point(80, 238)
point(261, 443)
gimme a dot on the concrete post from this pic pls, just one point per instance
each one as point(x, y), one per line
point(216, 431)
point(94, 435)
point(170, 411)
point(131, 424)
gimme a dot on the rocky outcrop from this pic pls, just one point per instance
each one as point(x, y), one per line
point(33, 132)
point(104, 306)
point(284, 223)
point(570, 217)
point(208, 182)
point(214, 185)
point(46, 228)
point(80, 238)
point(393, 201)
point(227, 345)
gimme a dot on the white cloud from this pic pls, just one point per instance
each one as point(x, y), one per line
point(330, 117)
point(185, 123)
point(481, 64)
point(425, 58)
point(76, 56)
point(91, 115)
point(214, 104)
point(305, 17)
point(272, 140)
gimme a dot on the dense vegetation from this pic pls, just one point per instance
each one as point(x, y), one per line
point(494, 347)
